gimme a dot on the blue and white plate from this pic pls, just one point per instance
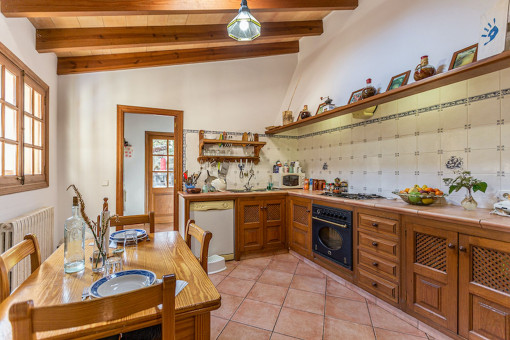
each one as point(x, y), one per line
point(118, 236)
point(122, 282)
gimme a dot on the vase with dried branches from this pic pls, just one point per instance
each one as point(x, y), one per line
point(99, 231)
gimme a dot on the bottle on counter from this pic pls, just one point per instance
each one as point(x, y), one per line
point(306, 185)
point(74, 241)
point(369, 90)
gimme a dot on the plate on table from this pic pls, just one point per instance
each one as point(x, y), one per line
point(122, 282)
point(118, 236)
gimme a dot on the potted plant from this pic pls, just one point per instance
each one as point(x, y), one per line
point(465, 180)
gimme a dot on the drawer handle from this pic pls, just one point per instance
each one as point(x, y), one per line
point(463, 249)
point(374, 284)
point(375, 244)
point(451, 245)
point(375, 264)
point(375, 224)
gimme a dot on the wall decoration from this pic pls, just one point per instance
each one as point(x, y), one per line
point(399, 80)
point(287, 117)
point(424, 69)
point(493, 28)
point(454, 163)
point(356, 96)
point(325, 106)
point(464, 57)
point(128, 149)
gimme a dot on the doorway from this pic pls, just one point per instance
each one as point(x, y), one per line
point(149, 161)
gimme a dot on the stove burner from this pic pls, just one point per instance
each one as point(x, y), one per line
point(352, 196)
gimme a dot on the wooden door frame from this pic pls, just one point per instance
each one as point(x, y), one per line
point(148, 155)
point(178, 151)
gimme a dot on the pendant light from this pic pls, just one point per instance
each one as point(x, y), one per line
point(244, 27)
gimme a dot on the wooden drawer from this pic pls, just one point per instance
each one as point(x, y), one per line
point(378, 286)
point(378, 245)
point(384, 268)
point(378, 224)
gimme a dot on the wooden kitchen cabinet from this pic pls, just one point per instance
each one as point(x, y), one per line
point(300, 226)
point(484, 288)
point(432, 259)
point(261, 224)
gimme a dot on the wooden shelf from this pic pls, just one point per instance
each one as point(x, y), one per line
point(255, 158)
point(229, 141)
point(221, 158)
point(485, 66)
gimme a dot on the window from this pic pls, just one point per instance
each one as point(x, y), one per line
point(23, 127)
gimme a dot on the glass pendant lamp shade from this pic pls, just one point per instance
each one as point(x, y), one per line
point(244, 27)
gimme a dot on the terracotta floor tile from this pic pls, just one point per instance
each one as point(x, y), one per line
point(310, 284)
point(238, 331)
point(268, 293)
point(230, 266)
point(229, 305)
point(306, 301)
point(217, 325)
point(339, 329)
point(383, 334)
point(385, 320)
point(277, 336)
point(306, 270)
point(303, 325)
point(283, 266)
point(246, 272)
point(234, 286)
point(334, 288)
point(286, 257)
point(216, 279)
point(277, 278)
point(260, 262)
point(349, 310)
point(257, 314)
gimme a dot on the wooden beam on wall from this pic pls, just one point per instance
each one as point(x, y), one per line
point(72, 65)
point(59, 8)
point(71, 39)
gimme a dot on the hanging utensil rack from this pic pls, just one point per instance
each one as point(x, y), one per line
point(244, 142)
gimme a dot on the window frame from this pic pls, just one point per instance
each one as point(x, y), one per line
point(22, 182)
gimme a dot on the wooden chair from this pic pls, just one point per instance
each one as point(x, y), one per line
point(26, 319)
point(132, 220)
point(29, 246)
point(204, 237)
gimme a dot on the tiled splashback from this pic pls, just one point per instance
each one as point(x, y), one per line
point(409, 141)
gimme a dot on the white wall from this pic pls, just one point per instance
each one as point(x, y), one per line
point(240, 95)
point(378, 40)
point(19, 36)
point(135, 126)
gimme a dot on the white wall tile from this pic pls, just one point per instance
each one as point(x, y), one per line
point(483, 84)
point(453, 140)
point(389, 146)
point(429, 163)
point(454, 117)
point(505, 78)
point(454, 92)
point(389, 163)
point(484, 161)
point(407, 163)
point(429, 98)
point(407, 144)
point(428, 121)
point(407, 103)
point(386, 109)
point(429, 142)
point(484, 112)
point(484, 137)
point(389, 129)
point(406, 125)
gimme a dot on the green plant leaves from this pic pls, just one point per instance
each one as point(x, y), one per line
point(480, 186)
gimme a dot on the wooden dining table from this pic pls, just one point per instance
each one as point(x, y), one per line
point(165, 253)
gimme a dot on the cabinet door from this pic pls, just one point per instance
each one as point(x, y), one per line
point(432, 259)
point(274, 217)
point(301, 226)
point(484, 288)
point(251, 225)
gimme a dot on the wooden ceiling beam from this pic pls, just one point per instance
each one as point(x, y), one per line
point(72, 39)
point(62, 8)
point(123, 61)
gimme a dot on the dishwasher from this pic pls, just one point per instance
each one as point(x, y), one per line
point(218, 218)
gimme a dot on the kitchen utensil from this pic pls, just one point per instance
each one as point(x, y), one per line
point(122, 282)
point(209, 178)
point(118, 236)
point(219, 184)
point(417, 198)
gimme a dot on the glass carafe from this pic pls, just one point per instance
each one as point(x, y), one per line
point(74, 241)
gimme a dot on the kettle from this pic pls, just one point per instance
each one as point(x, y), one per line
point(219, 184)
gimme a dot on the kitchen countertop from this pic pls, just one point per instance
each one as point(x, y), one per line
point(478, 218)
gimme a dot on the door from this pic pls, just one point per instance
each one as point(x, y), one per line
point(300, 226)
point(251, 225)
point(484, 288)
point(432, 274)
point(274, 218)
point(159, 175)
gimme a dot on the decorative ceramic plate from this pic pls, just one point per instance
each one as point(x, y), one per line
point(122, 282)
point(119, 235)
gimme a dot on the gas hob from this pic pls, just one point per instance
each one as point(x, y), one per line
point(352, 196)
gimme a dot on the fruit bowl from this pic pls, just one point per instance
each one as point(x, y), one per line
point(418, 198)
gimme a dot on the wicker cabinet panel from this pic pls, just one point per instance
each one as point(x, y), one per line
point(491, 268)
point(251, 213)
point(274, 211)
point(300, 214)
point(430, 251)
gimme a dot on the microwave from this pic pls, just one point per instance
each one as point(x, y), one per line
point(288, 180)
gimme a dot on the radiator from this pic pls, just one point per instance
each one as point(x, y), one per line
point(40, 223)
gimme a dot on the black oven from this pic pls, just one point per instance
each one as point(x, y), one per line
point(332, 234)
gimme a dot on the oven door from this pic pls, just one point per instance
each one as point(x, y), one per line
point(333, 242)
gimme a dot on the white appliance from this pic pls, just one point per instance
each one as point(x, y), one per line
point(218, 218)
point(288, 180)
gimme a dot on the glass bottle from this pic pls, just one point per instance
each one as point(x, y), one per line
point(74, 241)
point(424, 69)
point(369, 90)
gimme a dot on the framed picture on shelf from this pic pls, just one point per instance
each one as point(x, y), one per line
point(355, 96)
point(464, 57)
point(398, 80)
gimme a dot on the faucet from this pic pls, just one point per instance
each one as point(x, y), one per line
point(247, 186)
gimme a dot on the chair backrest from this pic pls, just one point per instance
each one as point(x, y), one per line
point(26, 319)
point(29, 246)
point(132, 220)
point(204, 237)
